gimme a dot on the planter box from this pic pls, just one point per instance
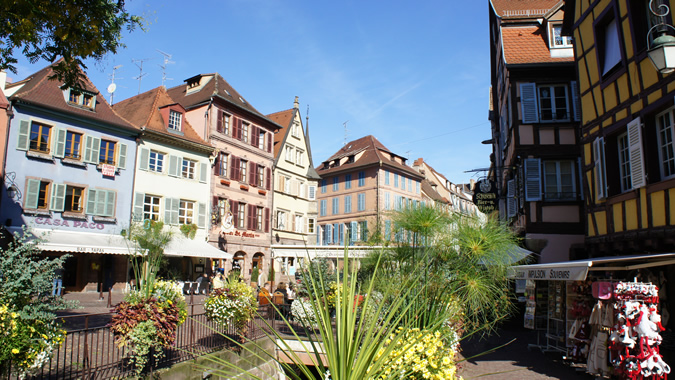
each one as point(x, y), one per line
point(224, 182)
point(243, 187)
point(262, 192)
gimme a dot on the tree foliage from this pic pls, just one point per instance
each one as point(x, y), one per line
point(73, 29)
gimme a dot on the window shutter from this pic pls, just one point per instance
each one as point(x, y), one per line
point(581, 178)
point(532, 179)
point(88, 150)
point(252, 173)
point(268, 178)
point(175, 205)
point(109, 203)
point(234, 208)
point(91, 202)
point(293, 223)
point(354, 229)
point(237, 129)
point(203, 172)
point(95, 150)
point(139, 200)
point(23, 141)
point(201, 219)
point(173, 166)
point(341, 233)
point(219, 122)
point(269, 142)
point(58, 200)
point(32, 193)
point(364, 233)
point(167, 210)
point(637, 170)
point(511, 198)
point(144, 160)
point(234, 164)
point(254, 136)
point(599, 170)
point(60, 143)
point(576, 100)
point(267, 219)
point(528, 102)
point(329, 234)
point(100, 202)
point(251, 217)
point(122, 156)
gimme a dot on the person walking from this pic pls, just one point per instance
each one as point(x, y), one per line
point(57, 285)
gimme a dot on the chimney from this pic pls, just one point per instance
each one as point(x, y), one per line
point(296, 104)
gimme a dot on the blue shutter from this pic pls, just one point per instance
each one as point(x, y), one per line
point(336, 235)
point(341, 234)
point(386, 177)
point(528, 102)
point(532, 179)
point(387, 230)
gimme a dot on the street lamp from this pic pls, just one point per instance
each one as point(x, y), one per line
point(662, 49)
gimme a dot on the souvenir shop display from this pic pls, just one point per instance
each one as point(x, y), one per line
point(579, 308)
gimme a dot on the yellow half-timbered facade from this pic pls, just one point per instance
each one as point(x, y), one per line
point(628, 127)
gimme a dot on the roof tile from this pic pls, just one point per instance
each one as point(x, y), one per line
point(527, 44)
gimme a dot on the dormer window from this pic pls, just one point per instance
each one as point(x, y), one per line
point(81, 98)
point(556, 39)
point(350, 159)
point(175, 119)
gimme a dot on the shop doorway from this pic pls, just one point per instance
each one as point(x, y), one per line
point(238, 263)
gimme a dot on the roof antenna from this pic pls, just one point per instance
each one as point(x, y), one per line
point(307, 121)
point(141, 74)
point(167, 60)
point(112, 86)
point(408, 155)
point(345, 125)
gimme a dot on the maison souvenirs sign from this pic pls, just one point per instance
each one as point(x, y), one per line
point(485, 196)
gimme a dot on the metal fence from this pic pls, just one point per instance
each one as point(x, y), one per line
point(90, 352)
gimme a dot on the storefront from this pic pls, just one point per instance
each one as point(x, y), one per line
point(606, 313)
point(190, 258)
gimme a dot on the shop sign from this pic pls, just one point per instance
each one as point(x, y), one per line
point(244, 234)
point(485, 196)
point(108, 170)
point(69, 223)
point(549, 274)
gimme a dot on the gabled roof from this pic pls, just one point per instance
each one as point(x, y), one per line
point(285, 119)
point(214, 86)
point(37, 89)
point(429, 190)
point(373, 153)
point(144, 112)
point(527, 45)
point(524, 8)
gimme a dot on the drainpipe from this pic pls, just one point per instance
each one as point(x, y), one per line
point(206, 120)
point(10, 116)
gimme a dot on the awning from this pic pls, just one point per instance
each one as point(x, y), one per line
point(181, 246)
point(577, 270)
point(81, 242)
point(508, 256)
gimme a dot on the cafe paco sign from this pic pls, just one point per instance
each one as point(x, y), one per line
point(485, 196)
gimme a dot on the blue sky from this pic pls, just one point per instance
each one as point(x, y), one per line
point(413, 74)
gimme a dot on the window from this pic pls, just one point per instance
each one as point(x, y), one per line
point(261, 139)
point(362, 179)
point(386, 177)
point(559, 180)
point(666, 130)
point(323, 207)
point(311, 222)
point(624, 162)
point(557, 40)
point(88, 101)
point(553, 105)
point(261, 176)
point(395, 179)
point(37, 194)
point(259, 218)
point(289, 153)
point(402, 183)
point(298, 157)
point(323, 185)
point(244, 132)
point(281, 220)
point(74, 199)
point(222, 164)
point(73, 145)
point(151, 207)
point(348, 204)
point(156, 163)
point(224, 123)
point(336, 183)
point(608, 42)
point(242, 170)
point(336, 206)
point(295, 129)
point(299, 223)
point(188, 169)
point(74, 97)
point(81, 98)
point(107, 152)
point(417, 186)
point(387, 201)
point(410, 185)
point(642, 20)
point(363, 230)
point(311, 192)
point(186, 212)
point(39, 137)
point(241, 215)
point(348, 181)
point(361, 202)
point(175, 118)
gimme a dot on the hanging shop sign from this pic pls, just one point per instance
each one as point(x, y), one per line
point(485, 196)
point(108, 170)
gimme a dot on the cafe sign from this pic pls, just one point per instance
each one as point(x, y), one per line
point(485, 196)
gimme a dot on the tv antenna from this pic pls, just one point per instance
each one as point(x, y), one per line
point(167, 60)
point(139, 63)
point(112, 86)
point(345, 125)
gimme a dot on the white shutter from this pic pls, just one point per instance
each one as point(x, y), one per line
point(528, 102)
point(95, 150)
point(599, 169)
point(173, 166)
point(532, 179)
point(122, 156)
point(576, 101)
point(511, 205)
point(144, 160)
point(139, 199)
point(167, 210)
point(60, 143)
point(637, 169)
point(201, 219)
point(58, 200)
point(203, 172)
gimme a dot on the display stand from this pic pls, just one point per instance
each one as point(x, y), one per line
point(537, 311)
point(556, 325)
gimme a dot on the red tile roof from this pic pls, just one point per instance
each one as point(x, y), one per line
point(144, 111)
point(524, 8)
point(527, 44)
point(38, 89)
point(284, 119)
point(373, 153)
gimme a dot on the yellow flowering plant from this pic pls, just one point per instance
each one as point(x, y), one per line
point(235, 304)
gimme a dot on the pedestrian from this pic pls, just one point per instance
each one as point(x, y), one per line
point(218, 281)
point(203, 284)
point(57, 285)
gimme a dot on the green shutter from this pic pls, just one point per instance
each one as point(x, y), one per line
point(100, 202)
point(58, 198)
point(32, 194)
point(95, 150)
point(203, 172)
point(110, 197)
point(174, 211)
point(60, 143)
point(173, 166)
point(144, 159)
point(88, 142)
point(139, 199)
point(122, 156)
point(201, 219)
point(91, 202)
point(167, 210)
point(23, 141)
